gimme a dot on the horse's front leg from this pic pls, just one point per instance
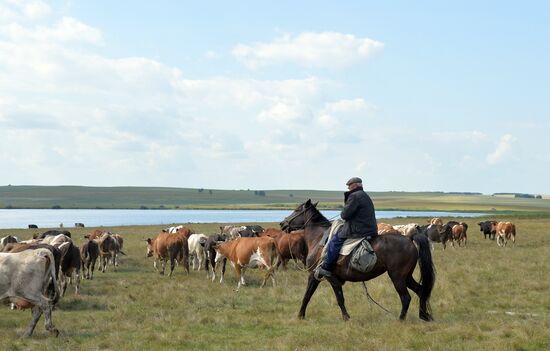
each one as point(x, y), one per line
point(340, 298)
point(312, 285)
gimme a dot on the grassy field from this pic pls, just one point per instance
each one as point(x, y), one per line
point(485, 298)
point(185, 198)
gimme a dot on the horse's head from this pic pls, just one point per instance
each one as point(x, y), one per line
point(303, 214)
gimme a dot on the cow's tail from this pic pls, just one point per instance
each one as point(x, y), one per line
point(427, 268)
point(50, 280)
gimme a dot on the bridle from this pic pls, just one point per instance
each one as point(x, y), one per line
point(296, 215)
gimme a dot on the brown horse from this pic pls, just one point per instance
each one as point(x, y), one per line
point(397, 255)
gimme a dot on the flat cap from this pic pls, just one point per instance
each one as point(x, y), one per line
point(354, 180)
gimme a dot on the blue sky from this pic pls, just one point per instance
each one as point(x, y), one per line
point(409, 96)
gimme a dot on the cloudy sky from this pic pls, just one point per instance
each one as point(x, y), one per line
point(408, 95)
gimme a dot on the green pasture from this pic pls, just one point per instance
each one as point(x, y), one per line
point(485, 298)
point(187, 198)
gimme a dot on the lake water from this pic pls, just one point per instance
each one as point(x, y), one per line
point(20, 218)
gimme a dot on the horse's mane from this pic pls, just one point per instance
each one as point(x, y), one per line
point(318, 217)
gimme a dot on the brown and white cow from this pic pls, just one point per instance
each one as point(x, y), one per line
point(436, 221)
point(109, 249)
point(9, 239)
point(290, 246)
point(504, 231)
point(95, 234)
point(24, 277)
point(168, 247)
point(249, 252)
point(89, 253)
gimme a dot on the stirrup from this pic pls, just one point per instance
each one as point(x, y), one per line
point(319, 273)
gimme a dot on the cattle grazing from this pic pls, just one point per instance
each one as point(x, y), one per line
point(459, 234)
point(89, 253)
point(504, 231)
point(33, 226)
point(196, 244)
point(249, 252)
point(289, 245)
point(211, 255)
point(8, 240)
point(486, 228)
point(52, 233)
point(168, 247)
point(79, 225)
point(24, 276)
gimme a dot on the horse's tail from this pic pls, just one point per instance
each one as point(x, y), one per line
point(427, 269)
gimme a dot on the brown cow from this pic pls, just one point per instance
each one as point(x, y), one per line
point(504, 231)
point(289, 245)
point(385, 228)
point(249, 252)
point(95, 234)
point(459, 234)
point(169, 247)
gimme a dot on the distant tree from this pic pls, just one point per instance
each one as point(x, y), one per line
point(56, 207)
point(161, 206)
point(200, 190)
point(210, 192)
point(143, 207)
point(9, 207)
point(538, 197)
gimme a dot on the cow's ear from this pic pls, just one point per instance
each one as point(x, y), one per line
point(148, 240)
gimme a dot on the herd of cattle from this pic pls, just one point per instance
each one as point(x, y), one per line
point(35, 273)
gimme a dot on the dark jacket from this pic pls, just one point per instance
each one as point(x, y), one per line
point(359, 215)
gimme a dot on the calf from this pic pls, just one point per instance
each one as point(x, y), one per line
point(504, 231)
point(24, 276)
point(249, 252)
point(196, 244)
point(168, 247)
point(89, 253)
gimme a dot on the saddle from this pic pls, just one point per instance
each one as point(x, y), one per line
point(363, 256)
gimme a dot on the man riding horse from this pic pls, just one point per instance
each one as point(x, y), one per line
point(360, 222)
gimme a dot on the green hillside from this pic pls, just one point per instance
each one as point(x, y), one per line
point(185, 198)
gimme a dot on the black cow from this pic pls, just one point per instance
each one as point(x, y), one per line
point(250, 231)
point(79, 225)
point(89, 253)
point(487, 229)
point(52, 233)
point(211, 254)
point(33, 226)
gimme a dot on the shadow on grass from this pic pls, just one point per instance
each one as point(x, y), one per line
point(76, 304)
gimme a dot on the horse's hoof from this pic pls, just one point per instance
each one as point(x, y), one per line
point(345, 317)
point(301, 317)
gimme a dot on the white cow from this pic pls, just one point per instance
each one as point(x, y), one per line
point(172, 230)
point(197, 254)
point(407, 229)
point(24, 279)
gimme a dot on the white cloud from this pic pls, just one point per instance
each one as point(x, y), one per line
point(309, 49)
point(473, 136)
point(503, 149)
